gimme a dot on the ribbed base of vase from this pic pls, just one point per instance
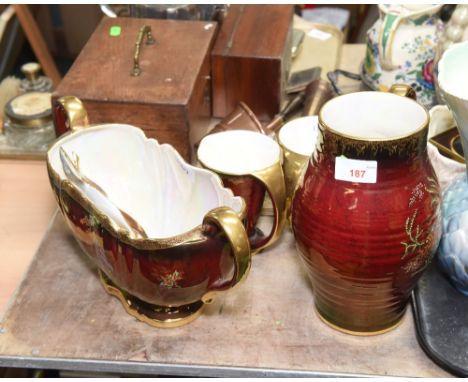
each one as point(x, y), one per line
point(359, 333)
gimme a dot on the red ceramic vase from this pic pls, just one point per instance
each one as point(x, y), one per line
point(365, 245)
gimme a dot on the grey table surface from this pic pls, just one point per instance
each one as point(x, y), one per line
point(61, 318)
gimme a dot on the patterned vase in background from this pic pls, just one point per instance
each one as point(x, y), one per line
point(401, 49)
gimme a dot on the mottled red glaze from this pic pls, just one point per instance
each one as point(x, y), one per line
point(352, 236)
point(174, 276)
point(253, 192)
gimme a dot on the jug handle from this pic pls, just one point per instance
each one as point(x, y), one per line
point(69, 114)
point(403, 90)
point(230, 223)
point(273, 179)
point(388, 28)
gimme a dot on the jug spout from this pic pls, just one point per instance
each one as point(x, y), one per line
point(453, 82)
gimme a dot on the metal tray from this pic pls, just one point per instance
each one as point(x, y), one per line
point(321, 47)
point(449, 144)
point(441, 318)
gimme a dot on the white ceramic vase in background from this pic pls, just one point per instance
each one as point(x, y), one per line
point(453, 83)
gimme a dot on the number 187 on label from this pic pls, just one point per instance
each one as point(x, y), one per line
point(357, 173)
point(353, 170)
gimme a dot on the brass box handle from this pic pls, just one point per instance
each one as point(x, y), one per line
point(146, 29)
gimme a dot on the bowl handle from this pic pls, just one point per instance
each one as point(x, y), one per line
point(69, 114)
point(232, 226)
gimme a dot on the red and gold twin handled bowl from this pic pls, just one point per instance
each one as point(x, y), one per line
point(167, 237)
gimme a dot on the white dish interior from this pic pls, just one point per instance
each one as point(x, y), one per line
point(300, 135)
point(238, 152)
point(453, 70)
point(148, 181)
point(373, 115)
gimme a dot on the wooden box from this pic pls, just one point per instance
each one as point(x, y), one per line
point(251, 59)
point(171, 98)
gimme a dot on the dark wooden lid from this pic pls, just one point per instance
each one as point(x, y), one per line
point(102, 71)
point(254, 31)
